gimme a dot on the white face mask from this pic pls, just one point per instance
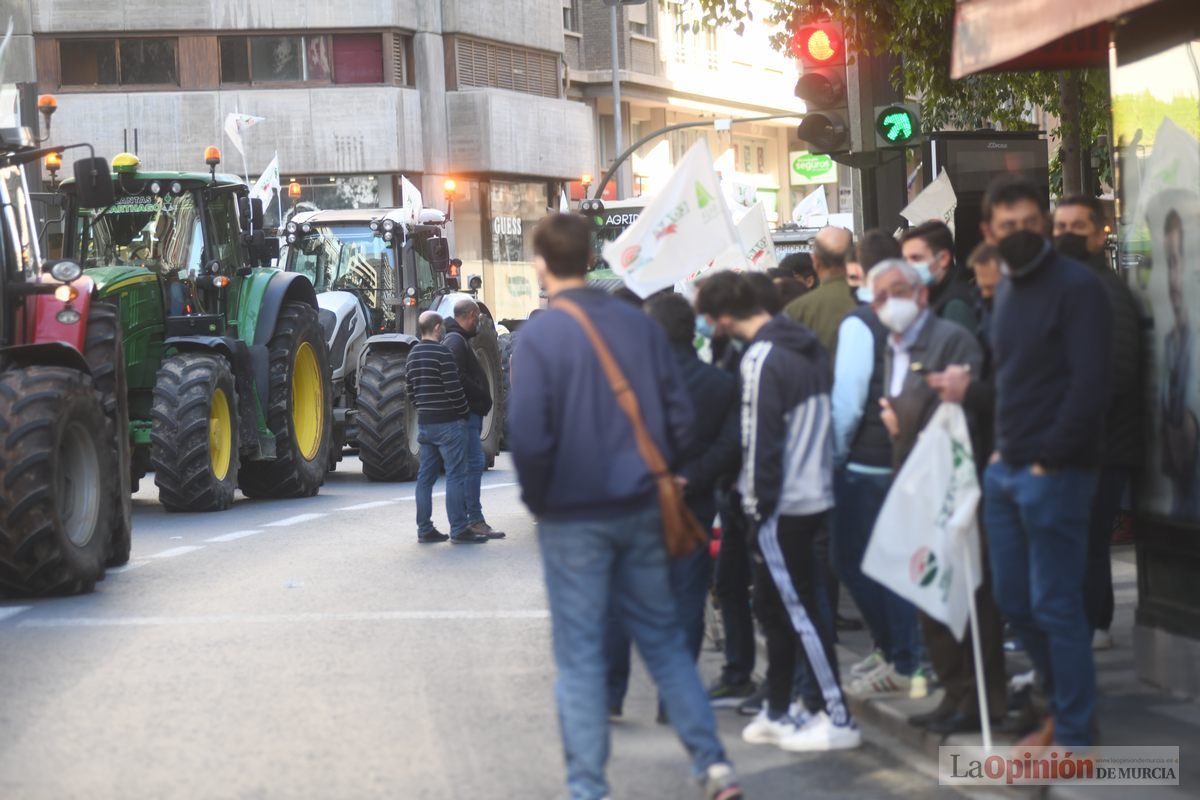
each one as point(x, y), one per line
point(898, 313)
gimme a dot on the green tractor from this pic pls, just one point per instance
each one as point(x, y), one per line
point(227, 371)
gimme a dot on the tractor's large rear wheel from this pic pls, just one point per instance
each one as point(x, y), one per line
point(194, 433)
point(387, 420)
point(58, 477)
point(106, 358)
point(299, 409)
point(487, 351)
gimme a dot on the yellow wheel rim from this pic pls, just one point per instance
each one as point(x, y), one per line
point(308, 402)
point(220, 434)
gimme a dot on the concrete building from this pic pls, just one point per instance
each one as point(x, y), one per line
point(353, 95)
point(674, 69)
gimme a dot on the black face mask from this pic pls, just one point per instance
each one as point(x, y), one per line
point(1072, 245)
point(1023, 252)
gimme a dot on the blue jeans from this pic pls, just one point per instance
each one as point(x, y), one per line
point(891, 619)
point(618, 564)
point(476, 463)
point(442, 443)
point(690, 578)
point(1038, 541)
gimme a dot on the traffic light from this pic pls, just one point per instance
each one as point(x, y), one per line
point(821, 48)
point(897, 125)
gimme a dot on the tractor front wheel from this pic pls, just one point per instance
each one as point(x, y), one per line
point(299, 409)
point(387, 420)
point(194, 433)
point(106, 358)
point(58, 470)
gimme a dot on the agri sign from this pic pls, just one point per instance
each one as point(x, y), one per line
point(638, 256)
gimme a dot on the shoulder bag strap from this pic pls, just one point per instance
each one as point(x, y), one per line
point(626, 398)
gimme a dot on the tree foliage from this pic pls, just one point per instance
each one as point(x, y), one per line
point(920, 34)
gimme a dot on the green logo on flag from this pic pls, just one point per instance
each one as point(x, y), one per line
point(703, 198)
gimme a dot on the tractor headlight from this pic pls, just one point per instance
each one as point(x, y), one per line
point(155, 188)
point(292, 227)
point(65, 271)
point(176, 188)
point(306, 228)
point(291, 237)
point(68, 316)
point(387, 237)
point(389, 224)
point(374, 225)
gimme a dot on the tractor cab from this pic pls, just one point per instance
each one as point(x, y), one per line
point(396, 266)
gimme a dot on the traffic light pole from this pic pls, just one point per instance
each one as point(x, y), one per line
point(629, 151)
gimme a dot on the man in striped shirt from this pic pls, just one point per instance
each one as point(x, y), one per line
point(437, 393)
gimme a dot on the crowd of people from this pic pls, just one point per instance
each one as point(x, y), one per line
point(823, 374)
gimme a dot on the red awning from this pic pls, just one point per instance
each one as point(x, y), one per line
point(1013, 35)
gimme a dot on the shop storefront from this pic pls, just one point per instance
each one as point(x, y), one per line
point(1153, 51)
point(493, 235)
point(325, 192)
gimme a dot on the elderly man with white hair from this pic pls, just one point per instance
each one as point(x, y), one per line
point(921, 343)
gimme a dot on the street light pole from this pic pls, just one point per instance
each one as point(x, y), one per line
point(616, 90)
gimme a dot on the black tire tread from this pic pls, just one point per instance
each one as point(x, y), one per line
point(383, 418)
point(105, 354)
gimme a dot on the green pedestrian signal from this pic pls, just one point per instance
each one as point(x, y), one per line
point(897, 125)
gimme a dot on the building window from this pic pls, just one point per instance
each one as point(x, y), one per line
point(482, 64)
point(571, 16)
point(336, 58)
point(118, 62)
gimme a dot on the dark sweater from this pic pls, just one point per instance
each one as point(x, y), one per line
point(1051, 342)
point(470, 372)
point(433, 383)
point(573, 447)
point(1123, 437)
point(716, 448)
point(953, 300)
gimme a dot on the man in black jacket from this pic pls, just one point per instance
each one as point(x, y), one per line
point(459, 330)
point(930, 247)
point(1079, 234)
point(715, 452)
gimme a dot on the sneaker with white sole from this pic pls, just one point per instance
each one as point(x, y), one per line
point(1102, 640)
point(864, 683)
point(918, 687)
point(799, 714)
point(720, 783)
point(821, 735)
point(869, 664)
point(764, 730)
point(889, 681)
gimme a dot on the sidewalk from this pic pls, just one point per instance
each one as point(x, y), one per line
point(1130, 712)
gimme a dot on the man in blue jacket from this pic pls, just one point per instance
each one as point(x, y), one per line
point(1051, 340)
point(599, 524)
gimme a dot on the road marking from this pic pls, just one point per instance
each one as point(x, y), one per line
point(178, 551)
point(365, 506)
point(12, 611)
point(229, 537)
point(126, 567)
point(409, 498)
point(270, 619)
point(296, 520)
point(498, 486)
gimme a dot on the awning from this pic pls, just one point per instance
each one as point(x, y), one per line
point(1013, 35)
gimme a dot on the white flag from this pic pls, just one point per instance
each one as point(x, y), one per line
point(756, 251)
point(564, 202)
point(410, 197)
point(813, 210)
point(685, 227)
point(268, 183)
point(916, 548)
point(235, 123)
point(936, 201)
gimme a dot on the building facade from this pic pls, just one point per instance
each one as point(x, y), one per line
point(674, 68)
point(352, 96)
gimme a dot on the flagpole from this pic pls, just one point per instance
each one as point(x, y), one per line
point(985, 723)
point(278, 195)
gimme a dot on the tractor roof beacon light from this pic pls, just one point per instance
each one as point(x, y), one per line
point(47, 104)
point(125, 163)
point(293, 189)
point(821, 50)
point(212, 157)
point(53, 165)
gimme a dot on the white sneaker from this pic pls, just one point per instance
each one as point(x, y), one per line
point(881, 680)
point(1102, 640)
point(800, 715)
point(764, 730)
point(821, 735)
point(868, 664)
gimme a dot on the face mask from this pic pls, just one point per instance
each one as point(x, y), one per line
point(1023, 252)
point(898, 313)
point(1072, 245)
point(704, 327)
point(923, 270)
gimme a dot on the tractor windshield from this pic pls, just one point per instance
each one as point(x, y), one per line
point(163, 234)
point(346, 258)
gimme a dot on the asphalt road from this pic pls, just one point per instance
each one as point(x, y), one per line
point(312, 649)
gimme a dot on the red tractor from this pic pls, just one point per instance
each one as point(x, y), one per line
point(64, 453)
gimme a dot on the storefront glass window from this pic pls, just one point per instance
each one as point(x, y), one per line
point(1156, 124)
point(512, 290)
point(326, 192)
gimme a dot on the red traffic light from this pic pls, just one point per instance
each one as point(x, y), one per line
point(819, 45)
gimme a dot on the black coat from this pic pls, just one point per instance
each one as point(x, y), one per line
point(716, 446)
point(1123, 439)
point(474, 381)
